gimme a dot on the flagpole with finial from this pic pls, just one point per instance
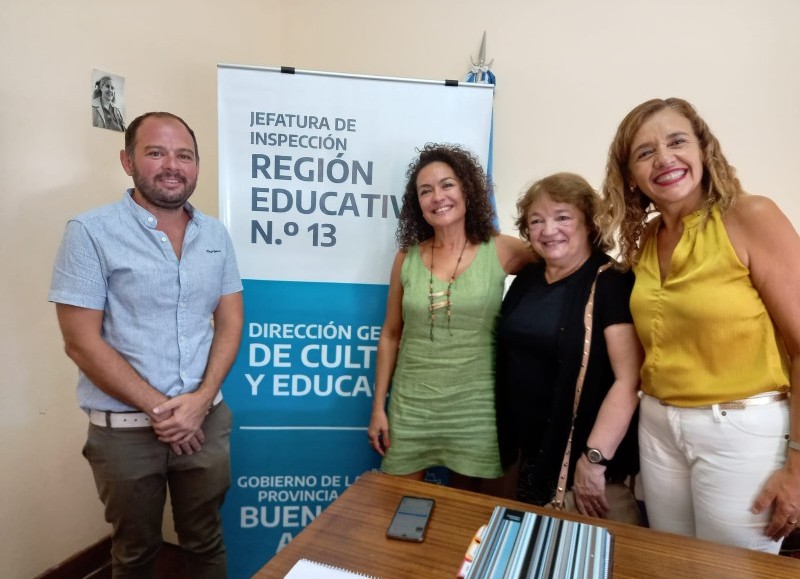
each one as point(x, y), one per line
point(481, 70)
point(481, 74)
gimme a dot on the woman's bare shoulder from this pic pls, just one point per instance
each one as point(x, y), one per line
point(513, 253)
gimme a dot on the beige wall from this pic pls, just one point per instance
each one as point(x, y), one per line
point(568, 70)
point(53, 163)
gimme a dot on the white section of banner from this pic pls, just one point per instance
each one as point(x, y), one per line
point(312, 165)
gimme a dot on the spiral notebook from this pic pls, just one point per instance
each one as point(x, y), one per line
point(307, 569)
point(520, 544)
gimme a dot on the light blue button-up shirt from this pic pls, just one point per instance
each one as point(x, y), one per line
point(157, 309)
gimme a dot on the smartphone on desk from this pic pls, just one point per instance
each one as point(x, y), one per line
point(411, 518)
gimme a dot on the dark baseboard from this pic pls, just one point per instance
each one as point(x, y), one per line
point(95, 563)
point(82, 564)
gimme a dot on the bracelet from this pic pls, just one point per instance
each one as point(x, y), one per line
point(793, 445)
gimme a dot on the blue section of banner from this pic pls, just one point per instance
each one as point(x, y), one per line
point(301, 391)
point(490, 173)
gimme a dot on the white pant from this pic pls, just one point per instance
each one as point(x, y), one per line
point(702, 468)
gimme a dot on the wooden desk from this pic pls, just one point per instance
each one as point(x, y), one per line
point(350, 533)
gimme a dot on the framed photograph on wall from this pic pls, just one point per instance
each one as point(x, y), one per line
point(108, 100)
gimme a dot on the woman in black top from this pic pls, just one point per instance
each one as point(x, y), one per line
point(540, 351)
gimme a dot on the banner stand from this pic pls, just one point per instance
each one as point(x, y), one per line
point(312, 171)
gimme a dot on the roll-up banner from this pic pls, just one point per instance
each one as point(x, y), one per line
point(312, 171)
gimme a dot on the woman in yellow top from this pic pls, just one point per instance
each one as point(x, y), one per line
point(717, 308)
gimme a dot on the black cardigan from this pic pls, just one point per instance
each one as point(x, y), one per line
point(545, 449)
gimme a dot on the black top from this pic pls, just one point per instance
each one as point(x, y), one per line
point(539, 350)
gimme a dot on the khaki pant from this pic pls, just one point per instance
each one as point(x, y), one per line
point(132, 470)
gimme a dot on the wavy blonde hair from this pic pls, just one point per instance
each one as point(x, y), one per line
point(626, 209)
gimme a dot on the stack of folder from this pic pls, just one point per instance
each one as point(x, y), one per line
point(522, 545)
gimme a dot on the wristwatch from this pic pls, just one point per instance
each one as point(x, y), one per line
point(595, 456)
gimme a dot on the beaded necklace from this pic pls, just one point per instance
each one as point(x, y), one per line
point(446, 303)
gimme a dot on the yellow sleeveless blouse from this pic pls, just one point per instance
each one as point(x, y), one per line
point(706, 333)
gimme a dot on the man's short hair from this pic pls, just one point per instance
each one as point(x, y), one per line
point(130, 133)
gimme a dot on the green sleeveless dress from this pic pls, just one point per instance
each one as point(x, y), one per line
point(441, 404)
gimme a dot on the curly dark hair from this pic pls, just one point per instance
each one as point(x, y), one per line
point(412, 227)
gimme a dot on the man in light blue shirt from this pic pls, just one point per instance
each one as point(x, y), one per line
point(137, 285)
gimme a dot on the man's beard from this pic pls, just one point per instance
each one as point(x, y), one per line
point(157, 196)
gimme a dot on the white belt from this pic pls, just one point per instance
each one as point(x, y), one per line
point(757, 400)
point(130, 419)
point(754, 401)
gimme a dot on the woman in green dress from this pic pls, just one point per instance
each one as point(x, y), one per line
point(437, 343)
